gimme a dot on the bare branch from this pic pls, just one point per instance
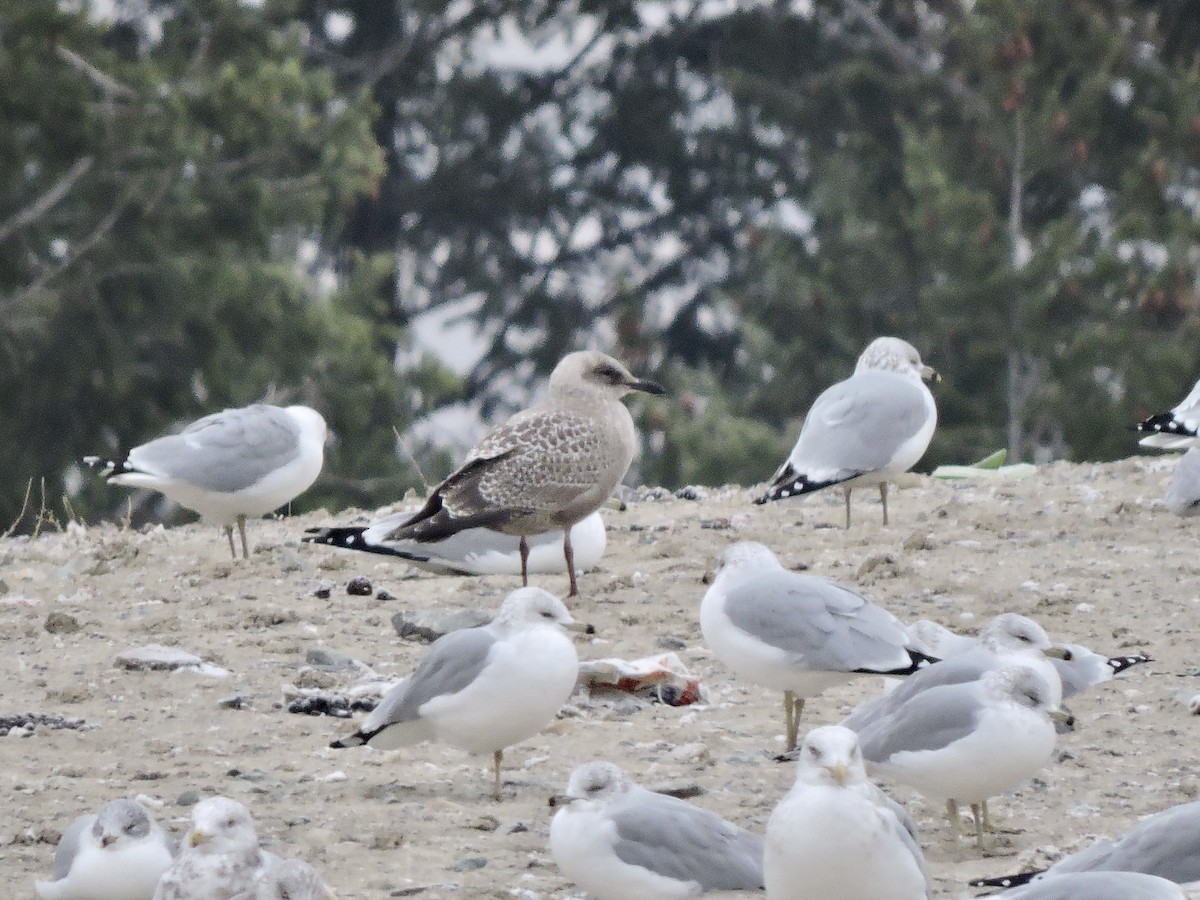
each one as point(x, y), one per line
point(106, 83)
point(40, 206)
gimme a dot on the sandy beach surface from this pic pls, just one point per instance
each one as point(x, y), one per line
point(1087, 550)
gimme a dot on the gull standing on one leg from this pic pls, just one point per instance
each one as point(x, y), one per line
point(873, 426)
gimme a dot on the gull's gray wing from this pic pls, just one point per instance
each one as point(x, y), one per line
point(1166, 844)
point(857, 425)
point(677, 840)
point(68, 846)
point(825, 626)
point(906, 829)
point(960, 669)
point(226, 451)
point(453, 662)
point(930, 721)
point(1098, 886)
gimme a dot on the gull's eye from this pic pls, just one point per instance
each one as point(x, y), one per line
point(609, 374)
point(231, 823)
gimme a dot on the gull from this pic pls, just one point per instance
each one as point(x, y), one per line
point(1176, 428)
point(837, 835)
point(1099, 886)
point(964, 743)
point(800, 634)
point(1166, 844)
point(118, 854)
point(1004, 640)
point(547, 467)
point(1078, 667)
point(482, 689)
point(865, 430)
point(1183, 493)
point(231, 464)
point(219, 856)
point(473, 551)
point(619, 841)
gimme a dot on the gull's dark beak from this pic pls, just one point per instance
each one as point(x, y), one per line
point(646, 387)
point(107, 839)
point(558, 800)
point(929, 373)
point(581, 627)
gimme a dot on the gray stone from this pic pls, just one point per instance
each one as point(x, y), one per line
point(188, 798)
point(61, 623)
point(431, 624)
point(328, 660)
point(469, 864)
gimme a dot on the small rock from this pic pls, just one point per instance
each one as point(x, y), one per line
point(880, 564)
point(188, 798)
point(691, 492)
point(671, 643)
point(61, 623)
point(485, 823)
point(385, 596)
point(359, 587)
point(431, 624)
point(919, 540)
point(679, 787)
point(233, 701)
point(156, 657)
point(469, 864)
point(323, 590)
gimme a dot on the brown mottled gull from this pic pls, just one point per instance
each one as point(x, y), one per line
point(547, 467)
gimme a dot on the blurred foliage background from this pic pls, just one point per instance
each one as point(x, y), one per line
point(204, 203)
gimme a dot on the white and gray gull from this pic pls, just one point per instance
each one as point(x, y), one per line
point(231, 464)
point(1176, 429)
point(864, 430)
point(547, 467)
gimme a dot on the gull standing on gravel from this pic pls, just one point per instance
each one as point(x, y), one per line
point(619, 841)
point(119, 854)
point(837, 835)
point(964, 743)
point(1007, 639)
point(865, 430)
point(1166, 844)
point(482, 689)
point(473, 551)
point(547, 467)
point(231, 464)
point(219, 857)
point(801, 634)
point(1176, 428)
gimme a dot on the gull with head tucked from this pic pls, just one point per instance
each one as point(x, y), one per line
point(865, 430)
point(619, 841)
point(546, 468)
point(801, 634)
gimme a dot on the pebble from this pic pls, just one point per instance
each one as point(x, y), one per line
point(469, 864)
point(431, 624)
point(359, 587)
point(671, 643)
point(61, 623)
point(188, 798)
point(323, 590)
point(157, 658)
point(330, 660)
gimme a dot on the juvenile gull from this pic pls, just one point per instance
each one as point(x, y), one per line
point(1183, 493)
point(219, 857)
point(286, 879)
point(482, 689)
point(473, 551)
point(231, 464)
point(865, 430)
point(619, 841)
point(1099, 886)
point(1166, 844)
point(1176, 428)
point(118, 854)
point(1004, 640)
point(837, 835)
point(964, 743)
point(800, 634)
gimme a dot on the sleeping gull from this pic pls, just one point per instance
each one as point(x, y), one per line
point(619, 841)
point(482, 689)
point(837, 835)
point(473, 551)
point(865, 430)
point(800, 634)
point(547, 467)
point(1004, 640)
point(219, 857)
point(119, 854)
point(1099, 886)
point(964, 743)
point(1166, 844)
point(286, 879)
point(1183, 493)
point(1175, 429)
point(231, 464)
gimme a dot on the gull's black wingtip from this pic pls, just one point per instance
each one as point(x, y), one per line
point(1006, 881)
